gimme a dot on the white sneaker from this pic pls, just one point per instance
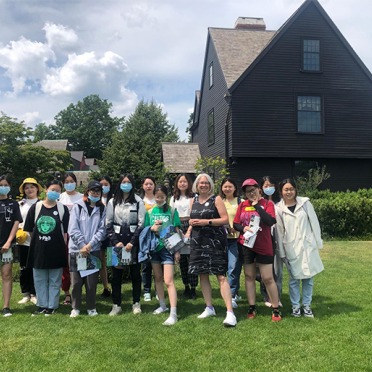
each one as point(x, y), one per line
point(207, 313)
point(74, 313)
point(234, 304)
point(136, 308)
point(116, 309)
point(147, 297)
point(92, 312)
point(171, 320)
point(24, 300)
point(308, 313)
point(267, 303)
point(33, 299)
point(237, 298)
point(160, 310)
point(230, 320)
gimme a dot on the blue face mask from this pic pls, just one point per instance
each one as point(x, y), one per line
point(126, 187)
point(4, 190)
point(53, 195)
point(269, 191)
point(70, 186)
point(105, 189)
point(94, 199)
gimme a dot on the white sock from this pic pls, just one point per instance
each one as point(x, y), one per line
point(173, 311)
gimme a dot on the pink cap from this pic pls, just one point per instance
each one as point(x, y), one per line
point(249, 182)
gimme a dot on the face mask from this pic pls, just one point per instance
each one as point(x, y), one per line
point(161, 204)
point(269, 191)
point(4, 190)
point(94, 199)
point(126, 187)
point(70, 186)
point(53, 195)
point(105, 189)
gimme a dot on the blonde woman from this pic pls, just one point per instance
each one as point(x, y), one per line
point(208, 245)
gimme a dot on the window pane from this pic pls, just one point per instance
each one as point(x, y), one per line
point(211, 128)
point(309, 119)
point(210, 75)
point(311, 55)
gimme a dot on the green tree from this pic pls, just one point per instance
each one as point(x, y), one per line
point(315, 177)
point(43, 132)
point(137, 149)
point(87, 125)
point(215, 167)
point(20, 159)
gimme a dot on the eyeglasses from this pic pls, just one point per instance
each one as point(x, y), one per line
point(203, 183)
point(251, 191)
point(95, 191)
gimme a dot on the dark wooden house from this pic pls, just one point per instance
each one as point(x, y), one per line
point(279, 102)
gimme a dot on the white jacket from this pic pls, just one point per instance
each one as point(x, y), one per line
point(298, 238)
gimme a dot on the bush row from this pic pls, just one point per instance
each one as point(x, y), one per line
point(344, 214)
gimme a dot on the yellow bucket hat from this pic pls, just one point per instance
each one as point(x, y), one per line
point(30, 180)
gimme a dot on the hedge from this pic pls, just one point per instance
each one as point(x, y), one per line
point(344, 214)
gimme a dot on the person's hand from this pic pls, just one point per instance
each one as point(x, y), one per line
point(5, 247)
point(119, 245)
point(129, 247)
point(85, 250)
point(177, 257)
point(246, 228)
point(156, 226)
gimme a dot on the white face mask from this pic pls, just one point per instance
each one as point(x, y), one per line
point(269, 190)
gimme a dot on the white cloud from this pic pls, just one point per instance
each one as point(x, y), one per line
point(60, 37)
point(31, 118)
point(25, 60)
point(85, 74)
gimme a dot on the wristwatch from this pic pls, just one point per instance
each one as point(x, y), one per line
point(210, 222)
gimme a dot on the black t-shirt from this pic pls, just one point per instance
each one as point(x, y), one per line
point(9, 213)
point(47, 247)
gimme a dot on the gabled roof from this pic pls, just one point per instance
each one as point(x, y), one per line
point(180, 157)
point(288, 24)
point(56, 145)
point(237, 49)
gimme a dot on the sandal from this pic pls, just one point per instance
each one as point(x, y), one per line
point(67, 300)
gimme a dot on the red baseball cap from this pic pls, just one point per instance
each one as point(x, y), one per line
point(249, 182)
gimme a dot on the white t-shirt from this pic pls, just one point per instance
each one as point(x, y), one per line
point(182, 205)
point(70, 200)
point(24, 206)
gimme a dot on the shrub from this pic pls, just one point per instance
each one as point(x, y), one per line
point(344, 214)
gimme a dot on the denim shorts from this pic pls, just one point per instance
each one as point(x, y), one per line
point(162, 257)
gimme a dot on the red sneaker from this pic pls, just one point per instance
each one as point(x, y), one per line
point(276, 316)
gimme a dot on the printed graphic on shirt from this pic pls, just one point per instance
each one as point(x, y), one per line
point(46, 224)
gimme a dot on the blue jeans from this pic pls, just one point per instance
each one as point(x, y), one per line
point(234, 267)
point(307, 291)
point(48, 285)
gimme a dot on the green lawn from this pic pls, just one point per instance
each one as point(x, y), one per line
point(337, 339)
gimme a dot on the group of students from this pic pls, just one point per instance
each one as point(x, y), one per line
point(220, 234)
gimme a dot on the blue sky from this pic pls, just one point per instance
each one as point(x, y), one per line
point(53, 53)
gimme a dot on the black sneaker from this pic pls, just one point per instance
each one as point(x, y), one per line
point(49, 312)
point(192, 294)
point(39, 311)
point(186, 292)
point(106, 293)
point(7, 312)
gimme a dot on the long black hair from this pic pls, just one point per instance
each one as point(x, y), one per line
point(177, 191)
point(275, 197)
point(108, 179)
point(228, 179)
point(142, 191)
point(164, 190)
point(291, 181)
point(70, 174)
point(119, 195)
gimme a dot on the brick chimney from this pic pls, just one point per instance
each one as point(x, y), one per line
point(250, 23)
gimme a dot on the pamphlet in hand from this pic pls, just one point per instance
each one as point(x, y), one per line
point(251, 235)
point(118, 256)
